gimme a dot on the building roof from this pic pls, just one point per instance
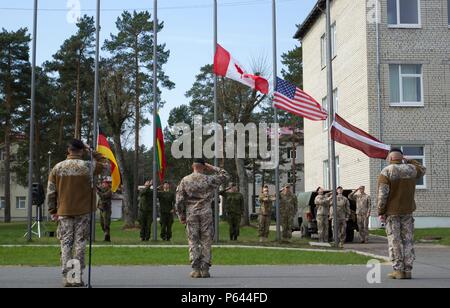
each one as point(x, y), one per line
point(310, 20)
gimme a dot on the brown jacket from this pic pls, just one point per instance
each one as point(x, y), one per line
point(397, 187)
point(69, 191)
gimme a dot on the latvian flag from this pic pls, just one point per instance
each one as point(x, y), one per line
point(345, 133)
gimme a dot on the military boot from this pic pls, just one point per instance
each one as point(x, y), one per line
point(196, 273)
point(396, 275)
point(205, 271)
point(407, 275)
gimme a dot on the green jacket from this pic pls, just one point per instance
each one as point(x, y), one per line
point(233, 203)
point(146, 200)
point(166, 201)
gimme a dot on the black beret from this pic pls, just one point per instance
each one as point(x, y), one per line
point(76, 144)
point(199, 161)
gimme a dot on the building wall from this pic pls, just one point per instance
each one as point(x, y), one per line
point(427, 126)
point(16, 191)
point(350, 71)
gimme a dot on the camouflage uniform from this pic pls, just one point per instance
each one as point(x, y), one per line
point(73, 232)
point(362, 213)
point(146, 212)
point(322, 216)
point(104, 205)
point(265, 214)
point(396, 190)
point(71, 197)
point(343, 215)
point(288, 209)
point(193, 203)
point(234, 209)
point(166, 210)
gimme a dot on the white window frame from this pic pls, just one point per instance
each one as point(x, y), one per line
point(412, 26)
point(18, 201)
point(292, 153)
point(2, 203)
point(2, 154)
point(323, 46)
point(400, 84)
point(422, 158)
point(336, 106)
point(326, 171)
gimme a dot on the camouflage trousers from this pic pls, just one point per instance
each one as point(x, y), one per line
point(166, 221)
point(73, 233)
point(322, 228)
point(342, 230)
point(286, 225)
point(400, 234)
point(200, 233)
point(363, 227)
point(235, 222)
point(264, 225)
point(105, 220)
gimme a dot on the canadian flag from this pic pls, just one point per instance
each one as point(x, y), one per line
point(226, 66)
point(345, 133)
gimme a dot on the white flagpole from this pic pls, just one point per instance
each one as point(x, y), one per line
point(332, 149)
point(155, 111)
point(277, 168)
point(216, 136)
point(33, 103)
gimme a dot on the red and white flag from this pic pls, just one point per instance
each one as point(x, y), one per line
point(226, 66)
point(345, 133)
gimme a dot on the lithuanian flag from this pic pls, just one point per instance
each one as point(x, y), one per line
point(104, 148)
point(160, 155)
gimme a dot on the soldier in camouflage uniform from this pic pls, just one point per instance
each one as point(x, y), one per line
point(265, 213)
point(362, 212)
point(343, 215)
point(70, 200)
point(166, 211)
point(233, 205)
point(193, 203)
point(288, 209)
point(322, 215)
point(146, 211)
point(396, 205)
point(104, 205)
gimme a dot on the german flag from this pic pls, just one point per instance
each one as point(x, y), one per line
point(160, 154)
point(104, 148)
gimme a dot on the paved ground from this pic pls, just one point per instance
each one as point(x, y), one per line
point(432, 269)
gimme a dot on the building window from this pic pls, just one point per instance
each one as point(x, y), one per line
point(290, 177)
point(416, 153)
point(291, 154)
point(2, 155)
point(323, 46)
point(404, 13)
point(406, 84)
point(20, 203)
point(335, 105)
point(2, 203)
point(448, 12)
point(326, 174)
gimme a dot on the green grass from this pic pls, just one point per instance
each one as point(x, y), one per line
point(49, 256)
point(421, 234)
point(12, 234)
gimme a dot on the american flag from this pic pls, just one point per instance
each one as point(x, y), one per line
point(291, 99)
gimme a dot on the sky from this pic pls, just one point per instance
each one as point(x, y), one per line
point(244, 29)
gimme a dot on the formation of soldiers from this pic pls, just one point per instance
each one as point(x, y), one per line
point(325, 213)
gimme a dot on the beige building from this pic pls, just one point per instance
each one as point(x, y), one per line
point(19, 194)
point(409, 107)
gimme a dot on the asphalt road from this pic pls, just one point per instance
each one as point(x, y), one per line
point(432, 269)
